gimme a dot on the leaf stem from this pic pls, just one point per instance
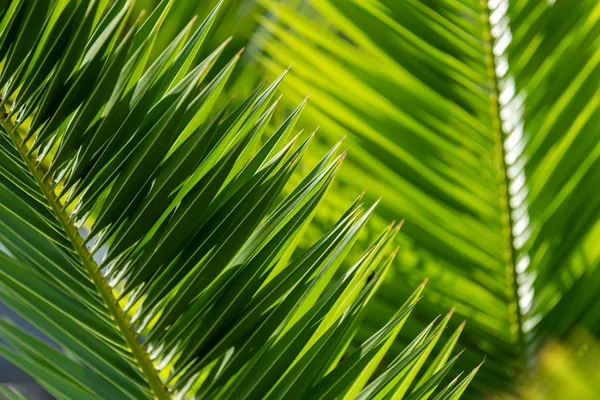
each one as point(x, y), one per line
point(118, 315)
point(509, 251)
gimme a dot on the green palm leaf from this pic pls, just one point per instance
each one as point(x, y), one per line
point(475, 121)
point(151, 235)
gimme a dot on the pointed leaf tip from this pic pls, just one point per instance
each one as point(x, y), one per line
point(481, 363)
point(398, 226)
point(239, 53)
point(462, 324)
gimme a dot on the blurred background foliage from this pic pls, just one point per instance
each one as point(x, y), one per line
point(477, 123)
point(565, 370)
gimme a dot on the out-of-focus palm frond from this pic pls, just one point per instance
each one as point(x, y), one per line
point(476, 121)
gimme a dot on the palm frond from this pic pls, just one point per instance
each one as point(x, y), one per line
point(475, 121)
point(149, 235)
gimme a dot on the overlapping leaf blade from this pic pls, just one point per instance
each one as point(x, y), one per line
point(196, 220)
point(475, 121)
